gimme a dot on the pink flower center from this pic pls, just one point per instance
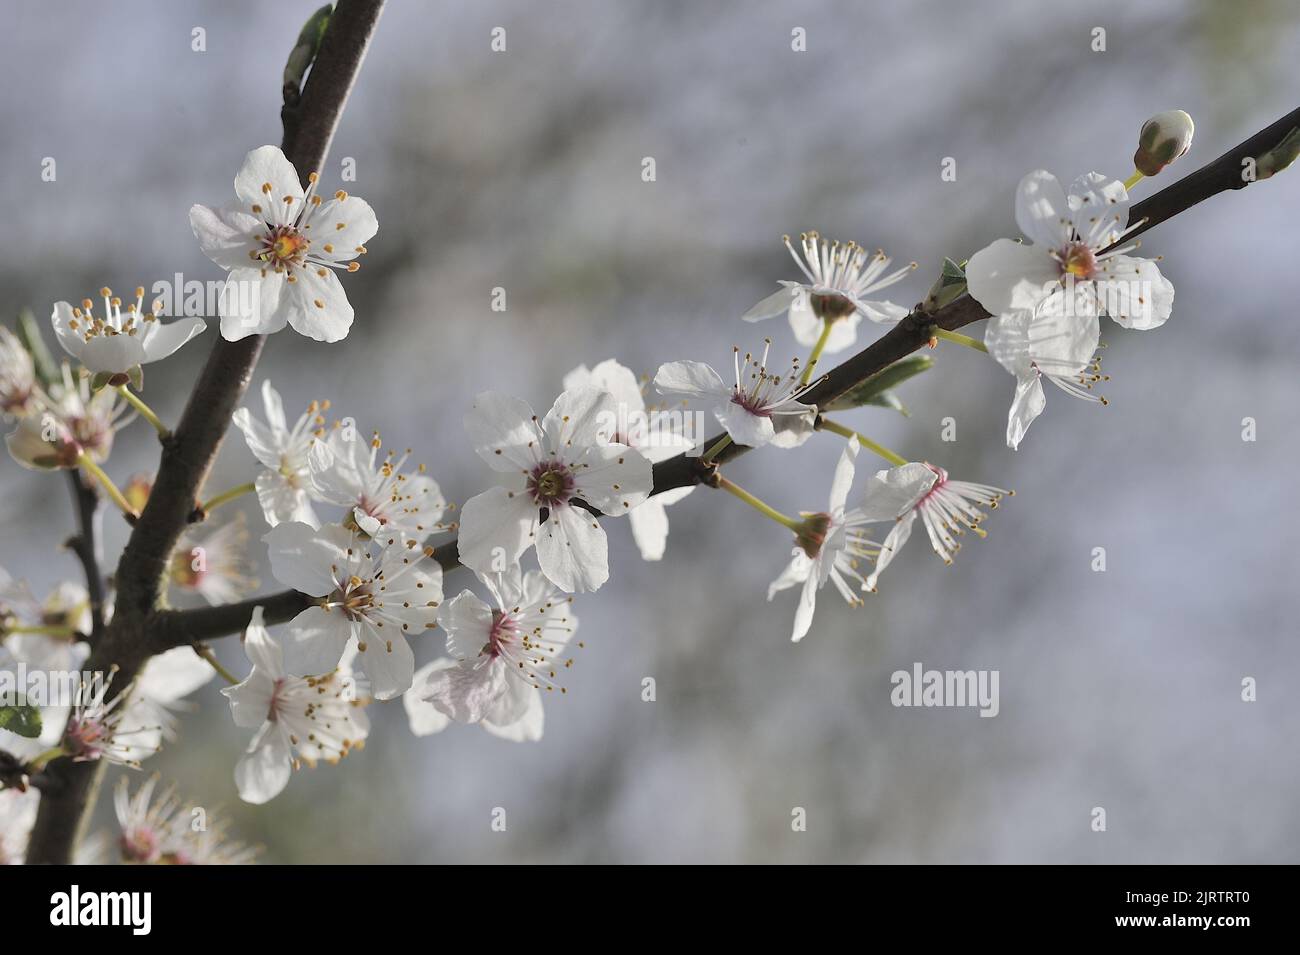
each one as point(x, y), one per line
point(550, 484)
point(751, 402)
point(503, 633)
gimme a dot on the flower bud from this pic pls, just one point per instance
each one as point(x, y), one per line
point(136, 491)
point(1164, 138)
point(44, 442)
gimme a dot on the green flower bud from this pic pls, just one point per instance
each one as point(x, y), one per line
point(1164, 138)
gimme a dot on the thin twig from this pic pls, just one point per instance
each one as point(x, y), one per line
point(188, 453)
point(914, 331)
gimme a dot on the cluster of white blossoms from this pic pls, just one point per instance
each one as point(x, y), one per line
point(352, 527)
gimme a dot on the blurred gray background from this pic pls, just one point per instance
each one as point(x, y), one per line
point(522, 169)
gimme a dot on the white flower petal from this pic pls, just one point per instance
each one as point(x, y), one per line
point(504, 432)
point(302, 556)
point(163, 339)
point(265, 769)
point(268, 165)
point(1027, 405)
point(1042, 210)
point(650, 528)
point(693, 379)
point(318, 306)
point(496, 527)
point(744, 426)
point(572, 550)
point(1005, 276)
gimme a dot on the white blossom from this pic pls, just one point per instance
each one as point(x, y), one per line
point(376, 591)
point(284, 484)
point(839, 278)
point(115, 343)
point(656, 433)
point(552, 463)
point(380, 497)
point(281, 246)
point(828, 547)
point(749, 408)
point(502, 659)
point(298, 719)
point(946, 508)
point(1076, 265)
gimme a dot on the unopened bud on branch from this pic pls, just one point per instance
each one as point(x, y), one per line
point(1164, 138)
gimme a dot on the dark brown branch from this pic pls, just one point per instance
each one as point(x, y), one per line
point(189, 452)
point(85, 544)
point(907, 336)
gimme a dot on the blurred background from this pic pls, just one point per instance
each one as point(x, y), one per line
point(522, 170)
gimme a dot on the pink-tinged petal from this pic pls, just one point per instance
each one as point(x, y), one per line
point(890, 547)
point(359, 225)
point(496, 527)
point(252, 302)
point(318, 306)
point(776, 303)
point(112, 353)
point(580, 417)
point(1027, 405)
point(303, 557)
point(505, 432)
point(572, 550)
point(613, 478)
point(694, 379)
point(424, 718)
point(163, 339)
point(1098, 209)
point(61, 319)
point(466, 693)
point(1005, 276)
point(511, 705)
point(744, 426)
point(650, 528)
point(315, 640)
point(468, 622)
point(1042, 210)
point(265, 769)
point(267, 165)
point(527, 728)
point(1134, 293)
point(893, 493)
point(226, 236)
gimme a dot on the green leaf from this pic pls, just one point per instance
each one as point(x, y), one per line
point(1280, 156)
point(100, 380)
point(304, 51)
point(887, 399)
point(29, 333)
point(875, 387)
point(947, 288)
point(24, 720)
